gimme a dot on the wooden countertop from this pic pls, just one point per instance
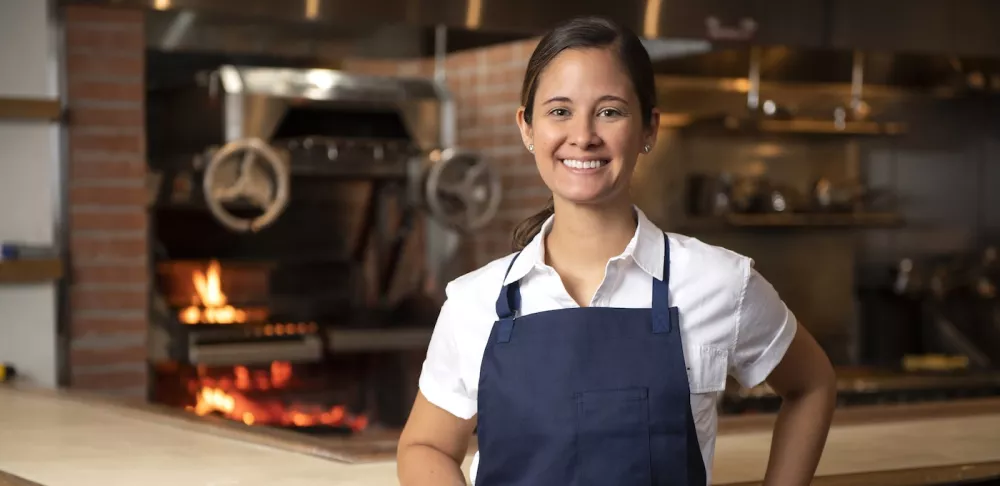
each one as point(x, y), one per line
point(59, 438)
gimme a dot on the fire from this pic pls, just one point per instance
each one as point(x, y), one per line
point(210, 306)
point(227, 396)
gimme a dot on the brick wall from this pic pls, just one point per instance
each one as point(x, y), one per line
point(105, 65)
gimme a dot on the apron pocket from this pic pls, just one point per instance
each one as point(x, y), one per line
point(612, 438)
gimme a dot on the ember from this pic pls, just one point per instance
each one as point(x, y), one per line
point(229, 396)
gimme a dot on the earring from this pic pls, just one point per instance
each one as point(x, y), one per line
point(647, 148)
point(531, 147)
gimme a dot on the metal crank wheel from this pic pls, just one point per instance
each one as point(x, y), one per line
point(239, 172)
point(462, 191)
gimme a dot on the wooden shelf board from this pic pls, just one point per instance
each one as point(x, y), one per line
point(30, 271)
point(30, 109)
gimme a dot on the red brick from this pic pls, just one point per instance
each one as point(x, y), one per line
point(521, 181)
point(81, 39)
point(105, 91)
point(95, 249)
point(111, 221)
point(78, 65)
point(92, 357)
point(499, 54)
point(534, 201)
point(87, 13)
point(108, 170)
point(108, 381)
point(108, 195)
point(81, 324)
point(100, 299)
point(107, 142)
point(99, 117)
point(462, 60)
point(136, 274)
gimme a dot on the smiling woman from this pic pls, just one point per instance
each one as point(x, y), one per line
point(596, 354)
point(618, 107)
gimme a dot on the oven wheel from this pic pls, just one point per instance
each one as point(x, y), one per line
point(249, 182)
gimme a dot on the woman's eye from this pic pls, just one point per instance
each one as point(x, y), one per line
point(559, 112)
point(609, 112)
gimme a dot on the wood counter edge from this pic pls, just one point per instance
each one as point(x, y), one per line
point(30, 109)
point(920, 476)
point(30, 271)
point(868, 414)
point(8, 479)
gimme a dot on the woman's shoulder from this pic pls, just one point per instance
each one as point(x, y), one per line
point(712, 264)
point(481, 285)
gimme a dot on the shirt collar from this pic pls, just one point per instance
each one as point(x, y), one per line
point(645, 249)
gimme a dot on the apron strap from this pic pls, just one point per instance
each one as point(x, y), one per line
point(509, 300)
point(664, 316)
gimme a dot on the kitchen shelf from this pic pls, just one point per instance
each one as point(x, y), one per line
point(796, 220)
point(30, 271)
point(795, 126)
point(30, 109)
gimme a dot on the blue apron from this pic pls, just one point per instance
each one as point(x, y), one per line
point(587, 396)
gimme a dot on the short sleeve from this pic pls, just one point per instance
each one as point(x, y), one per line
point(441, 376)
point(764, 330)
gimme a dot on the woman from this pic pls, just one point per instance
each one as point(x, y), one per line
point(596, 355)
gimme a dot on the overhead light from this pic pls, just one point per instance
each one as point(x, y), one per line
point(312, 9)
point(474, 14)
point(651, 21)
point(161, 4)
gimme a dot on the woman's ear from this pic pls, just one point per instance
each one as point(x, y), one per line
point(650, 132)
point(527, 135)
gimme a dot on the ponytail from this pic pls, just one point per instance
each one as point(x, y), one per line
point(527, 229)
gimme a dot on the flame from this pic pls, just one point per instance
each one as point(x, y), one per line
point(213, 308)
point(225, 396)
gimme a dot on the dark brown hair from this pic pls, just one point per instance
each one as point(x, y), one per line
point(582, 33)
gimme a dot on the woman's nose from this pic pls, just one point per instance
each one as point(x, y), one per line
point(584, 133)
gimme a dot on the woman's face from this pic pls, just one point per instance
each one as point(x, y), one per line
point(586, 127)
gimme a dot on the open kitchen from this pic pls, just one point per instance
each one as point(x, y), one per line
point(226, 228)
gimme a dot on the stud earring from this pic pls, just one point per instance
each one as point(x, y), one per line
point(531, 147)
point(647, 148)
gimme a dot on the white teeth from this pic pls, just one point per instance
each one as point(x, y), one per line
point(584, 164)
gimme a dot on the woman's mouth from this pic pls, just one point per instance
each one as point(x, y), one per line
point(584, 165)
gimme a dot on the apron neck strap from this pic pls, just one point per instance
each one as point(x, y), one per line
point(509, 301)
point(664, 316)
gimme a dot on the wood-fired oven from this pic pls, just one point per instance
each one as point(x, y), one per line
point(290, 223)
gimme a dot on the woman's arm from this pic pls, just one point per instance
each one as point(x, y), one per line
point(432, 447)
point(806, 382)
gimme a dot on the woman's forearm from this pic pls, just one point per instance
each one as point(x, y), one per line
point(799, 436)
point(421, 465)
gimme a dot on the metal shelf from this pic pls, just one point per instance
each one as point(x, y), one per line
point(795, 220)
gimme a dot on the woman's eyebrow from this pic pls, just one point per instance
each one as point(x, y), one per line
point(564, 99)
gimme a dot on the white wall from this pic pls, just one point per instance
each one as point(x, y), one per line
point(29, 184)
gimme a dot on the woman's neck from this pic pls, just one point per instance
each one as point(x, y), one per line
point(586, 237)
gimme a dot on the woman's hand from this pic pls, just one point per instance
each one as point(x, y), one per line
point(432, 446)
point(806, 382)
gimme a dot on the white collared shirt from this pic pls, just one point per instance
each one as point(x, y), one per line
point(732, 320)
